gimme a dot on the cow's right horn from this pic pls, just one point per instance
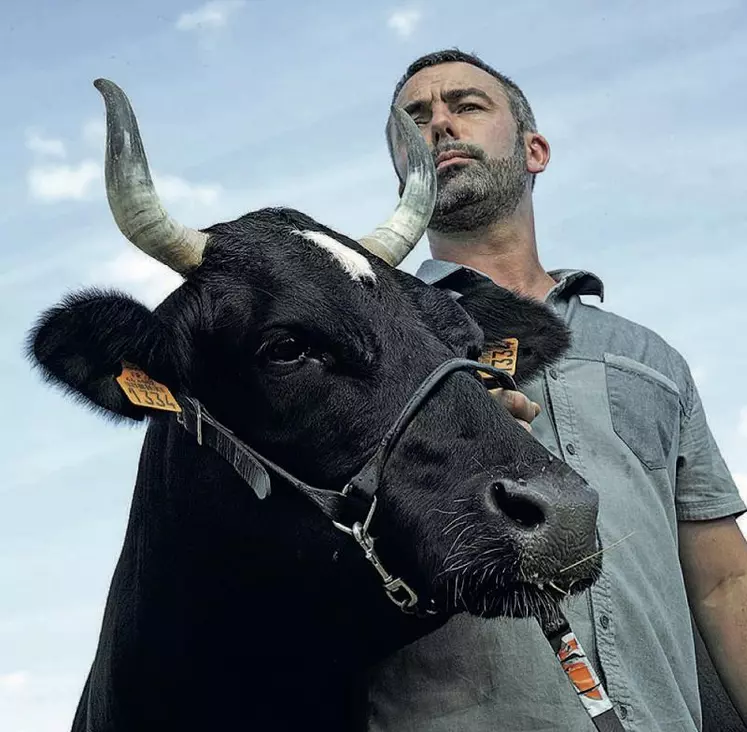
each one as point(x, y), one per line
point(132, 196)
point(393, 240)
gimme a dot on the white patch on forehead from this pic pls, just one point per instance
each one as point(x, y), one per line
point(354, 263)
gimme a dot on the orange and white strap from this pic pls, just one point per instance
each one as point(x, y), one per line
point(586, 682)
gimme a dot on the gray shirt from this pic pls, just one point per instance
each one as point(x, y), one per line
point(621, 408)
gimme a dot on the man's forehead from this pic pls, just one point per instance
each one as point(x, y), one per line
point(434, 80)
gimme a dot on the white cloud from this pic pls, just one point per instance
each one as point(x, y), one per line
point(64, 182)
point(60, 181)
point(51, 182)
point(13, 683)
point(404, 21)
point(210, 15)
point(172, 189)
point(94, 132)
point(45, 145)
point(83, 180)
point(137, 273)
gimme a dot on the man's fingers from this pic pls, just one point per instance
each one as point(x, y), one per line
point(519, 405)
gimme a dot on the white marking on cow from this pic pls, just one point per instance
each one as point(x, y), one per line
point(354, 263)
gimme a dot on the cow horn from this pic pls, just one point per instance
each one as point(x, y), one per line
point(393, 240)
point(132, 196)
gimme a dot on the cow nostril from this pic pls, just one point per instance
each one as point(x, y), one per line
point(520, 509)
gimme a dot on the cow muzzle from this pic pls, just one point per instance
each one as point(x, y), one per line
point(550, 521)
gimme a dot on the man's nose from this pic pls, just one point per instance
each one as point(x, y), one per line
point(443, 127)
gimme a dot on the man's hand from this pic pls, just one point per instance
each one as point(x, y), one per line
point(518, 405)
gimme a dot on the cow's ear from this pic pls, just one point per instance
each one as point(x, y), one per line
point(82, 343)
point(542, 336)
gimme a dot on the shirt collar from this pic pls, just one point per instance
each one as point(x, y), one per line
point(569, 281)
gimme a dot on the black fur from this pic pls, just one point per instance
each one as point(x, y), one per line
point(228, 612)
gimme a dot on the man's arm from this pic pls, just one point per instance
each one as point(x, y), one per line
point(714, 563)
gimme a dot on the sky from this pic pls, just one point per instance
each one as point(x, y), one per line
point(246, 104)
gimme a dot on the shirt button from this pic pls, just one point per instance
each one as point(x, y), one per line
point(570, 448)
point(554, 373)
point(604, 621)
point(623, 711)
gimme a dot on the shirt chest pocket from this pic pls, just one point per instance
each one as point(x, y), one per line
point(644, 408)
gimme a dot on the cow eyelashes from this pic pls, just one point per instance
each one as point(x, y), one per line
point(288, 350)
point(285, 350)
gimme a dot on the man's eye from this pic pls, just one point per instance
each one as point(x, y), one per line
point(283, 350)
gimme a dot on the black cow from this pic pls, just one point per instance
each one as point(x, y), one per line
point(240, 603)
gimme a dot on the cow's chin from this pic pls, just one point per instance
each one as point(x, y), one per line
point(543, 601)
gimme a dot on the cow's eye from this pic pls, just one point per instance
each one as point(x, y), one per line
point(284, 350)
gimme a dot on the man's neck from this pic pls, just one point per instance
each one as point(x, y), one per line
point(506, 252)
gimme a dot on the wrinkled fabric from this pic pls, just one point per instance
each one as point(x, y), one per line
point(622, 409)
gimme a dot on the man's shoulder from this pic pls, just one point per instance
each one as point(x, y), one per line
point(610, 324)
point(610, 320)
point(599, 334)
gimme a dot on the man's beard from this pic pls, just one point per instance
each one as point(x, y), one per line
point(481, 192)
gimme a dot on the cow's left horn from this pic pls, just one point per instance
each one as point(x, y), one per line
point(393, 240)
point(132, 196)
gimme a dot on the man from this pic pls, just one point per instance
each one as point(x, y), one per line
point(622, 409)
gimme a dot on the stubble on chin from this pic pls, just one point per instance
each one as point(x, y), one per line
point(478, 193)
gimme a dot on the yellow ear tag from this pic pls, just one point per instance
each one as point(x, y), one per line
point(503, 358)
point(143, 391)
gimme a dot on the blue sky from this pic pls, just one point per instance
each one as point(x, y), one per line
point(244, 104)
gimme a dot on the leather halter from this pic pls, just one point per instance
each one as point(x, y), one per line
point(352, 508)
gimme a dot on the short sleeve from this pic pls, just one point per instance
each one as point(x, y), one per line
point(705, 488)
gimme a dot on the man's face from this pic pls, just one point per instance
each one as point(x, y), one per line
point(465, 116)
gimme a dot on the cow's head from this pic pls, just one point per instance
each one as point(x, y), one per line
point(307, 344)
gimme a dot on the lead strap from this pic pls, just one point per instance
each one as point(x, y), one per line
point(584, 679)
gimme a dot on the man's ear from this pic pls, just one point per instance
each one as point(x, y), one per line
point(542, 336)
point(81, 344)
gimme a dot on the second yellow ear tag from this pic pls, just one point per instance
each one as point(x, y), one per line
point(503, 358)
point(143, 391)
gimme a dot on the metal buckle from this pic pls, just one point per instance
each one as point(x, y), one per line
point(349, 530)
point(392, 585)
point(181, 419)
point(199, 423)
point(397, 590)
point(409, 600)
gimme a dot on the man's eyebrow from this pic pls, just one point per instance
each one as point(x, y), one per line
point(454, 95)
point(450, 96)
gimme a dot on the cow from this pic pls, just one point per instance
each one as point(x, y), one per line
point(325, 476)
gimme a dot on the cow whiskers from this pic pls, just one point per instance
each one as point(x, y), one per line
point(596, 554)
point(455, 522)
point(440, 510)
